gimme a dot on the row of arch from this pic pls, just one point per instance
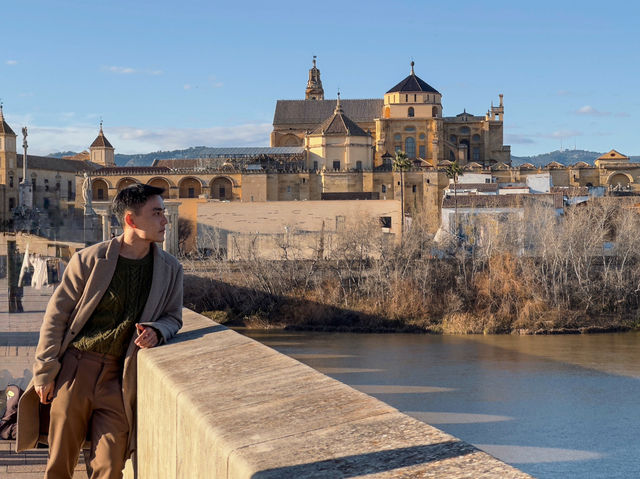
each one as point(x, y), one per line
point(220, 188)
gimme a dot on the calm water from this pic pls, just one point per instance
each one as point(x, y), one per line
point(556, 407)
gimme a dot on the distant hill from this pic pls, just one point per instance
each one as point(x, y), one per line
point(565, 157)
point(60, 154)
point(147, 159)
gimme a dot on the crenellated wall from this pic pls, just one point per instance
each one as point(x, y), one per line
point(216, 404)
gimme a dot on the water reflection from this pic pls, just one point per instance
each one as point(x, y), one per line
point(434, 418)
point(394, 389)
point(531, 455)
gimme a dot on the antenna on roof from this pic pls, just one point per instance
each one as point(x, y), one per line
point(412, 63)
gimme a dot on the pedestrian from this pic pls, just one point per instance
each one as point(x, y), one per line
point(115, 298)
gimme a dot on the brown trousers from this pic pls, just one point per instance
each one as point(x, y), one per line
point(88, 404)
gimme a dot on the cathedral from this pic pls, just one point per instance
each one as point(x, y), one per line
point(409, 118)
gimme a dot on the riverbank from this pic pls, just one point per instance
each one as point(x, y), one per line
point(578, 275)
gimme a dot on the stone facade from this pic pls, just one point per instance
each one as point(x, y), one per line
point(409, 118)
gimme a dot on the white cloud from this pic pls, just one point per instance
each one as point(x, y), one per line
point(11, 62)
point(121, 70)
point(129, 70)
point(511, 138)
point(565, 133)
point(45, 140)
point(187, 86)
point(588, 110)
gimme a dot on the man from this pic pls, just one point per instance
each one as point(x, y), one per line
point(115, 297)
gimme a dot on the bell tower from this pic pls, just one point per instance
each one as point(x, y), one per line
point(101, 150)
point(314, 89)
point(8, 168)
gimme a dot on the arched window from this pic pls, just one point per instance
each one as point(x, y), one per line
point(453, 139)
point(465, 130)
point(410, 112)
point(100, 190)
point(434, 112)
point(161, 183)
point(422, 137)
point(475, 138)
point(409, 128)
point(397, 137)
point(410, 147)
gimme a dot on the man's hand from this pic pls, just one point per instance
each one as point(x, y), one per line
point(147, 337)
point(45, 393)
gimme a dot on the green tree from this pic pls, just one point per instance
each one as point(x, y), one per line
point(401, 163)
point(453, 171)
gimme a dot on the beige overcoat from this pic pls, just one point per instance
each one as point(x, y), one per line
point(83, 284)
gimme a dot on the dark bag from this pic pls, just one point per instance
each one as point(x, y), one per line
point(8, 425)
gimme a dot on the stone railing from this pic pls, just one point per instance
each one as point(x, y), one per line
point(216, 404)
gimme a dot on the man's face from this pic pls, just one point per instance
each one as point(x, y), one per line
point(150, 221)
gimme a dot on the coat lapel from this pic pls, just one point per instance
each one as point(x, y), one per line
point(160, 273)
point(100, 277)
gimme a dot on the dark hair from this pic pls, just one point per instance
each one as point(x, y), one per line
point(133, 198)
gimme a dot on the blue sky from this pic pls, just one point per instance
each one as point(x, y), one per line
point(166, 75)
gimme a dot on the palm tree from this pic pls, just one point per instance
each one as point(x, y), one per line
point(453, 171)
point(401, 163)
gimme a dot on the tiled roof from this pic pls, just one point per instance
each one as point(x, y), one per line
point(463, 118)
point(101, 141)
point(5, 128)
point(313, 112)
point(501, 201)
point(412, 84)
point(131, 170)
point(55, 164)
point(339, 124)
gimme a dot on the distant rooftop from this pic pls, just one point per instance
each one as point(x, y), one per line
point(248, 151)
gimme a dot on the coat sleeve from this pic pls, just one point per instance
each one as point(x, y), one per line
point(170, 320)
point(56, 320)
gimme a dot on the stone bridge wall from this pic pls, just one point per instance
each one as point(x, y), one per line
point(216, 404)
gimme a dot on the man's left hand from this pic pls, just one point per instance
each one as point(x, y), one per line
point(147, 337)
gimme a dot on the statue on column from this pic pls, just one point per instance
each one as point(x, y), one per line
point(87, 195)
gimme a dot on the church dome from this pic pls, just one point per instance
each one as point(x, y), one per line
point(413, 84)
point(339, 124)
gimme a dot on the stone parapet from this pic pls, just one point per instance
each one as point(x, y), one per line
point(216, 404)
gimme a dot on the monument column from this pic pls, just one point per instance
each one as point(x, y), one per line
point(170, 244)
point(105, 216)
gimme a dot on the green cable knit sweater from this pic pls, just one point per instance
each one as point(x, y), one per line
point(113, 323)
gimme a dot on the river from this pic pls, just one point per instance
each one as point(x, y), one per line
point(557, 407)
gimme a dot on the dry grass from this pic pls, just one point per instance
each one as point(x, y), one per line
point(563, 282)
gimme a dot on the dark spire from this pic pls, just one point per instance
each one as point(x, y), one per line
point(314, 89)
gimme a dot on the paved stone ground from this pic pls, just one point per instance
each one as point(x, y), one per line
point(18, 340)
